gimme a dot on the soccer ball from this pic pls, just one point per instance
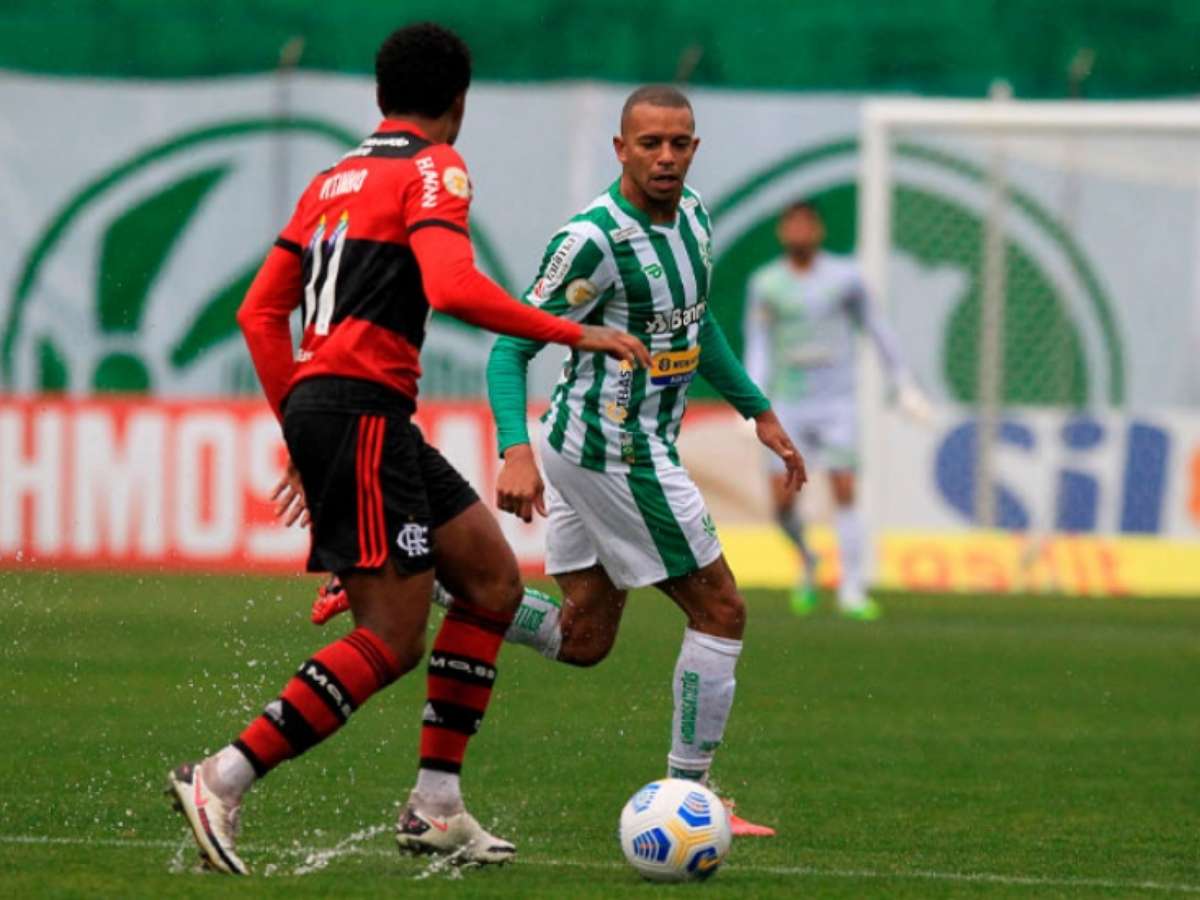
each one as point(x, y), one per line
point(675, 830)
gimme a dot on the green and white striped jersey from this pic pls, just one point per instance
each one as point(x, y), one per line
point(610, 265)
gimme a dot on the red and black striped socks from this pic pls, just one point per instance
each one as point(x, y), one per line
point(462, 670)
point(319, 699)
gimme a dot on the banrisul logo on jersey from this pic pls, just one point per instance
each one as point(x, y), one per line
point(132, 285)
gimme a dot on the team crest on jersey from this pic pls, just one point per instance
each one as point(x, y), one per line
point(580, 291)
point(457, 182)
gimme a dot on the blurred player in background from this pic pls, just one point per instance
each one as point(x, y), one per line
point(623, 513)
point(803, 313)
point(375, 242)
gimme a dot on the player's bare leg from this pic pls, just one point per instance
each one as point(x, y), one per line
point(477, 568)
point(783, 498)
point(390, 612)
point(853, 601)
point(591, 615)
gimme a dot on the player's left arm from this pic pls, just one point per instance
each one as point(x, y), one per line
point(908, 395)
point(720, 367)
point(263, 317)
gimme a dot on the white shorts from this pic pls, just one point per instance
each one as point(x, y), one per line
point(643, 526)
point(826, 436)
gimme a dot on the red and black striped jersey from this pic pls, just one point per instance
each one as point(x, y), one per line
point(364, 305)
point(376, 241)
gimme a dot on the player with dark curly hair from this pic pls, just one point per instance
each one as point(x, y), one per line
point(376, 241)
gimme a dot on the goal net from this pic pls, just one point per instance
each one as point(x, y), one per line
point(1040, 264)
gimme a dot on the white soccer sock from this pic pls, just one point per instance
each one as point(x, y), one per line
point(230, 774)
point(703, 687)
point(438, 792)
point(851, 544)
point(537, 623)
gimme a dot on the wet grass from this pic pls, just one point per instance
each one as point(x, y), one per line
point(960, 747)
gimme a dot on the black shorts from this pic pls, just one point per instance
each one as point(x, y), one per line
point(375, 489)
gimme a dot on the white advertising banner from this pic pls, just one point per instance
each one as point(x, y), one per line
point(135, 214)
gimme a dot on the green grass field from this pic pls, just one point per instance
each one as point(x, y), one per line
point(975, 747)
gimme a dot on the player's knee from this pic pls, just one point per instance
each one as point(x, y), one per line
point(499, 590)
point(585, 646)
point(723, 614)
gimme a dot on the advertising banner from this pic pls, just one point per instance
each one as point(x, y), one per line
point(173, 485)
point(185, 485)
point(136, 213)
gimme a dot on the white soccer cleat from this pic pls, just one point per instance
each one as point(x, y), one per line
point(458, 837)
point(214, 822)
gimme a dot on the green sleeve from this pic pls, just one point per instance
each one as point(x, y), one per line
point(572, 280)
point(507, 371)
point(721, 368)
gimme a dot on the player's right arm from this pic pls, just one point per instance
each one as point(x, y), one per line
point(573, 279)
point(436, 218)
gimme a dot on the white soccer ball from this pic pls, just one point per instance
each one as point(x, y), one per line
point(675, 830)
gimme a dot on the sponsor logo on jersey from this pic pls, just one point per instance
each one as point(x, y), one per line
point(343, 183)
point(674, 366)
point(617, 410)
point(628, 453)
point(664, 323)
point(559, 265)
point(365, 148)
point(386, 142)
point(581, 291)
point(457, 182)
point(429, 182)
point(620, 235)
point(654, 270)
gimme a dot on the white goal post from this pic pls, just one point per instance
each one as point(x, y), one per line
point(1032, 168)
